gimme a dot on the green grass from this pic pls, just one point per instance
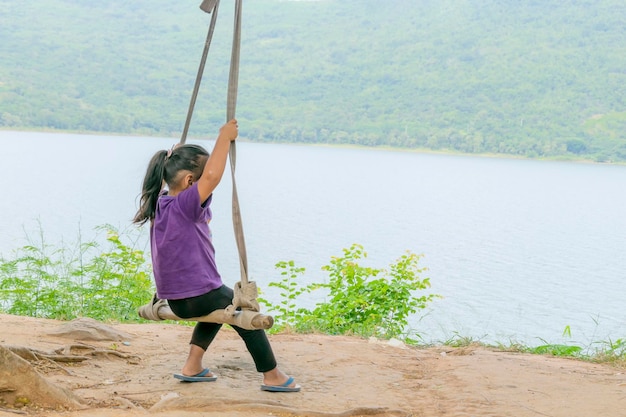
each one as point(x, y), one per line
point(611, 352)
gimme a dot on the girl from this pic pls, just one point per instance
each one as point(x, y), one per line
point(183, 256)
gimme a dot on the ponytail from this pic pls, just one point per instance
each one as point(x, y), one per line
point(152, 186)
point(164, 167)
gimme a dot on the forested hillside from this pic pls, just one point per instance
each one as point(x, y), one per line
point(530, 78)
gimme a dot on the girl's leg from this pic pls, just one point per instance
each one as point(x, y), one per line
point(261, 351)
point(259, 347)
point(203, 333)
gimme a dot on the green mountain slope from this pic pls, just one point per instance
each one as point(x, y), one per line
point(535, 78)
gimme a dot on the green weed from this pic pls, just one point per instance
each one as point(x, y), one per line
point(286, 312)
point(360, 300)
point(75, 281)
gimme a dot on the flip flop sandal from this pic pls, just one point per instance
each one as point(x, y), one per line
point(281, 388)
point(201, 377)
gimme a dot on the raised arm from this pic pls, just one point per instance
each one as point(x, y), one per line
point(216, 163)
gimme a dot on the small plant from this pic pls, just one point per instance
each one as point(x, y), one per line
point(611, 351)
point(567, 331)
point(558, 349)
point(458, 341)
point(119, 281)
point(361, 300)
point(288, 314)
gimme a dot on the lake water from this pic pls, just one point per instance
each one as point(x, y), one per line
point(518, 249)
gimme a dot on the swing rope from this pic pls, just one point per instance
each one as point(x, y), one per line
point(244, 311)
point(245, 291)
point(208, 6)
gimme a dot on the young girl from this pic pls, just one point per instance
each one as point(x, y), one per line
point(183, 257)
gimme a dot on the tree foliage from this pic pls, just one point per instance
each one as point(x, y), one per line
point(534, 78)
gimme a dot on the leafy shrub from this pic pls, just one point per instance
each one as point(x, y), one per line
point(65, 283)
point(361, 300)
point(288, 312)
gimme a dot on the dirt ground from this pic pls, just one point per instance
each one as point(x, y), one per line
point(131, 375)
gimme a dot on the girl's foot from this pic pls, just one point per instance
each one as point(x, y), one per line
point(288, 386)
point(277, 381)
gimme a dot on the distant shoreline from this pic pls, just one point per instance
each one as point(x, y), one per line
point(388, 148)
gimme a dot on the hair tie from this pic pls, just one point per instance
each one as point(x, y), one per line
point(169, 152)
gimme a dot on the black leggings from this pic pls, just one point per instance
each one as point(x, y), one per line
point(203, 334)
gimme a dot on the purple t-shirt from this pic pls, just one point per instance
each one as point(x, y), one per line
point(183, 256)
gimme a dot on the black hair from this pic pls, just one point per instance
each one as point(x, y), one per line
point(165, 167)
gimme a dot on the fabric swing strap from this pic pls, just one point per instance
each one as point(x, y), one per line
point(212, 6)
point(233, 81)
point(208, 6)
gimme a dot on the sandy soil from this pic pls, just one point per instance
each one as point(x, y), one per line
point(340, 376)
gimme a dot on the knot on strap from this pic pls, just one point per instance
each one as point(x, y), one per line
point(151, 311)
point(245, 295)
